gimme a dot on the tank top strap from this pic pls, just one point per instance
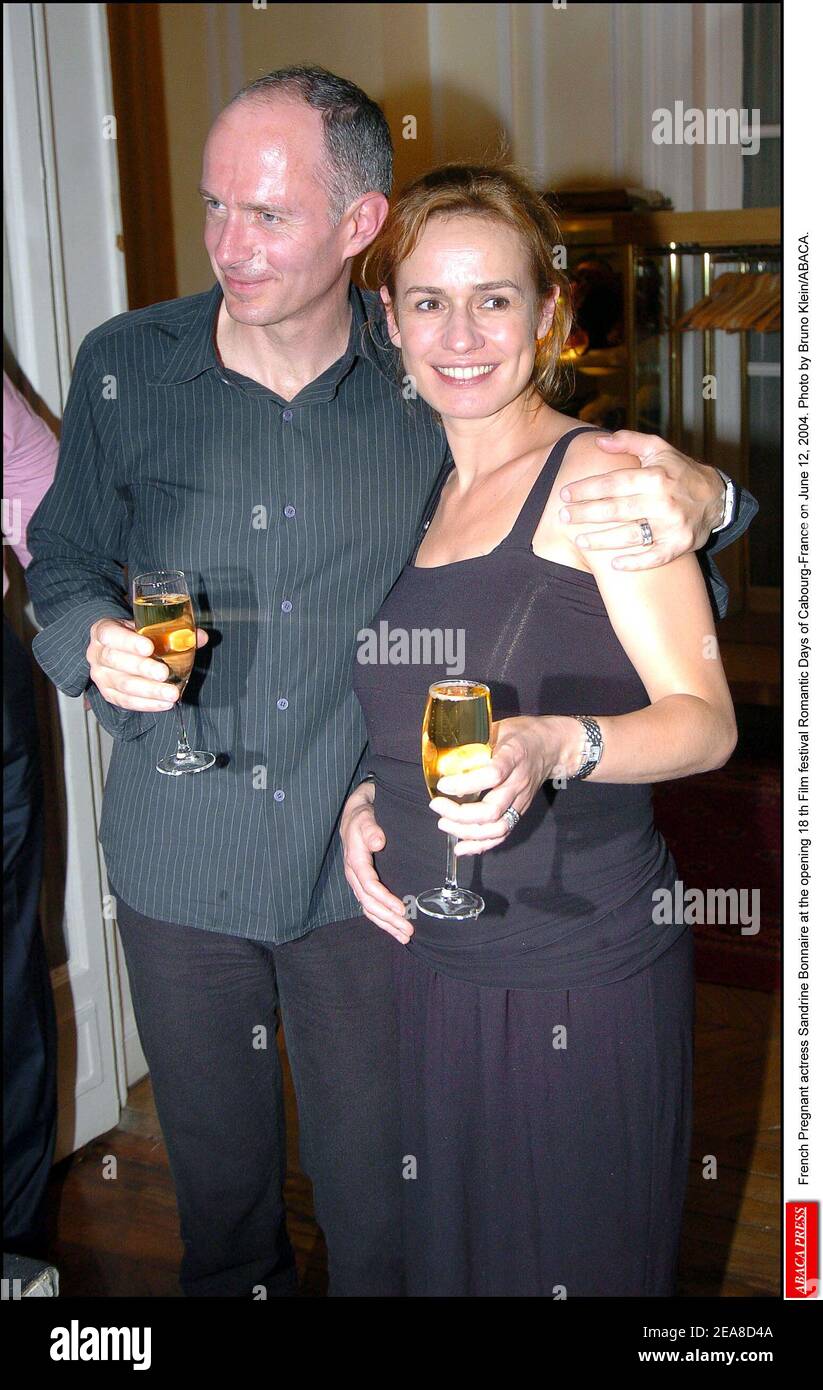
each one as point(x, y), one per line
point(522, 533)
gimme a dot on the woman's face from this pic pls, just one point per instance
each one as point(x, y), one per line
point(467, 316)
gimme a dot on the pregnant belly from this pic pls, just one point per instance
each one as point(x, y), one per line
point(415, 854)
point(566, 862)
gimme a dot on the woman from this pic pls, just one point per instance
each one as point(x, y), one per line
point(545, 1047)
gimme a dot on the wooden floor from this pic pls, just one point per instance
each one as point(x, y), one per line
point(120, 1238)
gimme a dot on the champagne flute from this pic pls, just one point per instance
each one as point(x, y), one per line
point(163, 612)
point(456, 738)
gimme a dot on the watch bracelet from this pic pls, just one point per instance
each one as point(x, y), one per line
point(594, 737)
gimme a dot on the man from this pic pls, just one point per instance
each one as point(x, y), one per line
point(257, 439)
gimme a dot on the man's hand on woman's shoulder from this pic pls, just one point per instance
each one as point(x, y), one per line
point(644, 480)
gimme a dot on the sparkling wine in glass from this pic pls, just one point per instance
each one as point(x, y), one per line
point(163, 612)
point(456, 738)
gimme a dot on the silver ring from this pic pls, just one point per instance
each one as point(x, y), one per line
point(511, 817)
point(646, 532)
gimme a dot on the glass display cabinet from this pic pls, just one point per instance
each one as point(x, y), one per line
point(678, 333)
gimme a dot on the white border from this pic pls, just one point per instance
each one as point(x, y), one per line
point(803, 35)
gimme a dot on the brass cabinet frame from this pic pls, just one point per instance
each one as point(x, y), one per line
point(740, 237)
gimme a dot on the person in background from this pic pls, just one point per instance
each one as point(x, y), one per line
point(29, 1028)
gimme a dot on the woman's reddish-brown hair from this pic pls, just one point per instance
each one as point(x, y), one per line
point(497, 191)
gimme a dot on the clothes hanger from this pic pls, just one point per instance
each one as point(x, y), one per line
point(737, 302)
point(722, 288)
point(750, 305)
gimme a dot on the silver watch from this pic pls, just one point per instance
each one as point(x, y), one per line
point(592, 748)
point(728, 502)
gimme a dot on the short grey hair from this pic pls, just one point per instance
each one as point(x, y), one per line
point(359, 153)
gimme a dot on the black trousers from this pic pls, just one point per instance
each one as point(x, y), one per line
point(207, 1007)
point(29, 1031)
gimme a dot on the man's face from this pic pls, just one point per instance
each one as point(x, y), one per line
point(267, 233)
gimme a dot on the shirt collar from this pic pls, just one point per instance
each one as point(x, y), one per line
point(195, 352)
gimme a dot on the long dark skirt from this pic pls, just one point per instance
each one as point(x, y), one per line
point(545, 1133)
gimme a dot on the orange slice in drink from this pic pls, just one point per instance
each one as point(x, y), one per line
point(453, 761)
point(181, 640)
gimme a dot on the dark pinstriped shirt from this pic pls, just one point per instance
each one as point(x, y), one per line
point(292, 520)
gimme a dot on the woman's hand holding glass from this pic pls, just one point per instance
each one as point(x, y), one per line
point(527, 752)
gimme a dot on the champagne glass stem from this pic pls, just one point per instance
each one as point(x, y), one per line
point(450, 886)
point(183, 746)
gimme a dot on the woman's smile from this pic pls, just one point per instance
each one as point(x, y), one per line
point(465, 376)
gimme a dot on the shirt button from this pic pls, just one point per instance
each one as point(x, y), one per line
point(279, 795)
point(287, 414)
point(286, 605)
point(282, 703)
point(290, 510)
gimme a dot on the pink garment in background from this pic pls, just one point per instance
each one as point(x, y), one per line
point(29, 459)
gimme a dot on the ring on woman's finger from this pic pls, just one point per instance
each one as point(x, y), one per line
point(511, 817)
point(646, 534)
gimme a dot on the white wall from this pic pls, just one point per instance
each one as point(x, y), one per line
point(573, 89)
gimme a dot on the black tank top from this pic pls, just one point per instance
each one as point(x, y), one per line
point(569, 894)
